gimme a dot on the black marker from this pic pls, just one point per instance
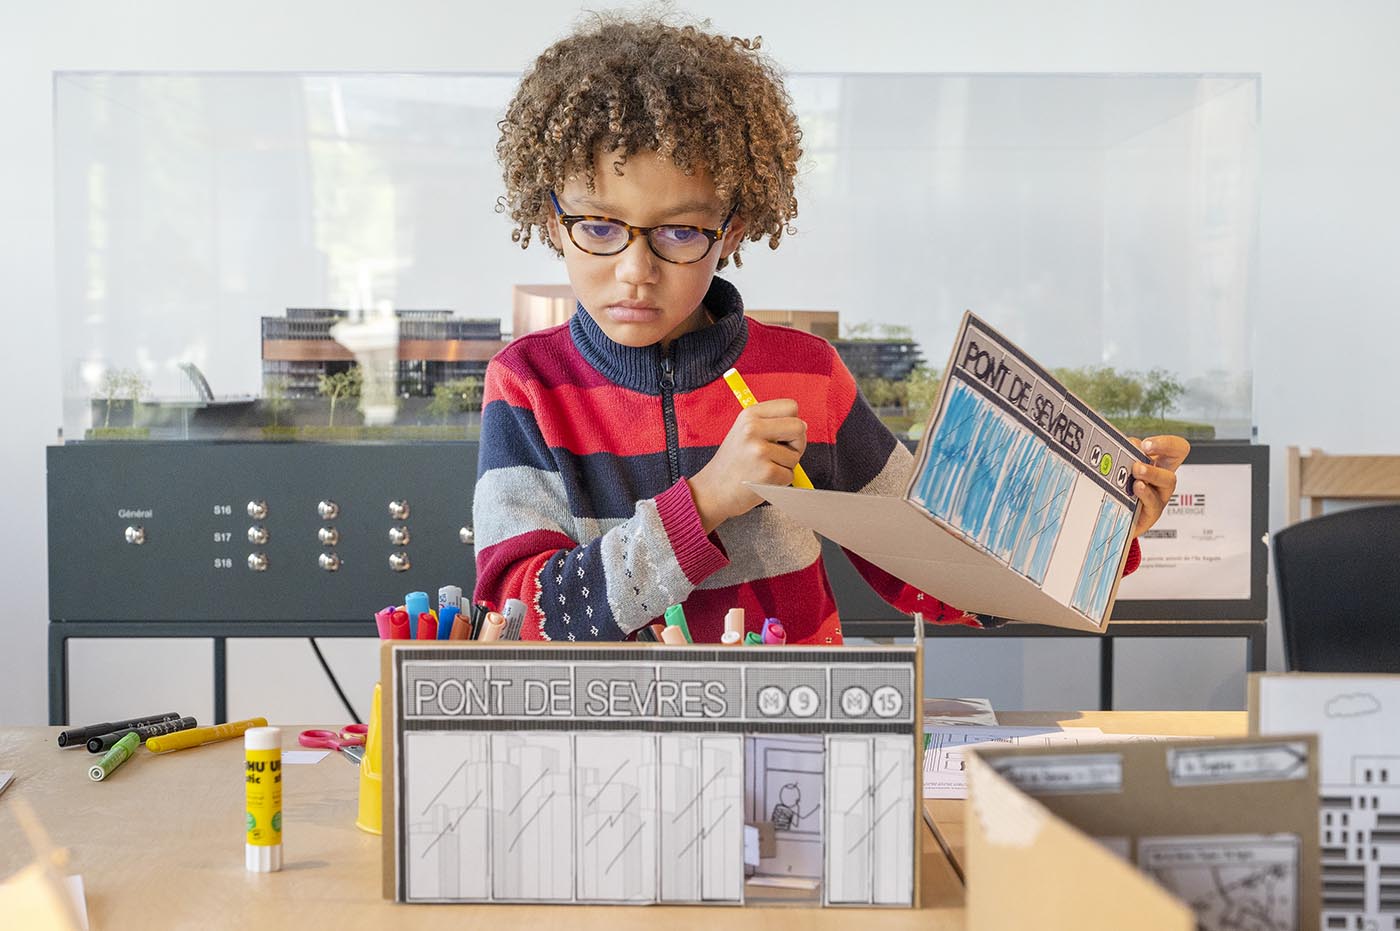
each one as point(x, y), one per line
point(107, 741)
point(78, 736)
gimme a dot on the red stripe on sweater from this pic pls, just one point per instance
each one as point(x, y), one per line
point(705, 415)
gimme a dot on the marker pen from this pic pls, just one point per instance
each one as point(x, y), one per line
point(461, 626)
point(515, 619)
point(398, 629)
point(121, 752)
point(752, 639)
point(447, 616)
point(675, 617)
point(262, 797)
point(415, 603)
point(747, 399)
point(478, 615)
point(108, 741)
point(773, 632)
point(199, 736)
point(79, 736)
point(646, 635)
point(449, 595)
point(383, 622)
point(494, 627)
point(427, 626)
point(674, 636)
point(733, 627)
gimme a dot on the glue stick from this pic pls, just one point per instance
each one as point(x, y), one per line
point(262, 765)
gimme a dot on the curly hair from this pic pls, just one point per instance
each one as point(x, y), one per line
point(633, 85)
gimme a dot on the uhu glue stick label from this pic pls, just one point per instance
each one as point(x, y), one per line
point(262, 765)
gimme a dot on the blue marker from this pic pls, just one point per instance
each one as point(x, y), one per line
point(446, 615)
point(416, 604)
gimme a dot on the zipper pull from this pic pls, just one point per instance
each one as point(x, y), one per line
point(668, 376)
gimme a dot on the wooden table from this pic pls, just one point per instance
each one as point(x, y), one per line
point(945, 816)
point(160, 845)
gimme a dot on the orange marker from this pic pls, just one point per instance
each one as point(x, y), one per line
point(673, 635)
point(494, 627)
point(733, 627)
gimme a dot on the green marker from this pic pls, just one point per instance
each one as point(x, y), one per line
point(675, 617)
point(752, 639)
point(121, 752)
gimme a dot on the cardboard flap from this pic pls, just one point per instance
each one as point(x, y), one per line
point(899, 538)
point(1027, 868)
point(1247, 805)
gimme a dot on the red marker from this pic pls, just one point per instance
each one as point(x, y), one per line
point(427, 626)
point(398, 627)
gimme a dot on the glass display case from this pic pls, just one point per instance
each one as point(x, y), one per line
point(319, 256)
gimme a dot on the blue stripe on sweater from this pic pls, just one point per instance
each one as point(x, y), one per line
point(863, 445)
point(510, 436)
point(574, 596)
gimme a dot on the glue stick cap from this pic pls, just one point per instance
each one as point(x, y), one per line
point(262, 859)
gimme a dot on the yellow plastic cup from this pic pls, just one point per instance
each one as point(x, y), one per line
point(371, 814)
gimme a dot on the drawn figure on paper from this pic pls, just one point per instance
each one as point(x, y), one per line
point(788, 814)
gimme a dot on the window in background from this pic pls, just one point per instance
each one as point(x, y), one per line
point(284, 255)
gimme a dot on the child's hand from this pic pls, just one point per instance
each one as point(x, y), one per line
point(764, 444)
point(1155, 483)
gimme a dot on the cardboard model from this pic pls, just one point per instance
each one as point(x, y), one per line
point(1219, 835)
point(626, 774)
point(1020, 503)
point(1357, 721)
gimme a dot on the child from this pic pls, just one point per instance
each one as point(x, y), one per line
point(613, 454)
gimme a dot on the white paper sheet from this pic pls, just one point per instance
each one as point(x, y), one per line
point(944, 775)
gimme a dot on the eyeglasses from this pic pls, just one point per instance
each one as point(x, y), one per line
point(671, 242)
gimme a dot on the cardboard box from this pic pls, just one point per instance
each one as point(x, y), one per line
point(1217, 834)
point(1020, 502)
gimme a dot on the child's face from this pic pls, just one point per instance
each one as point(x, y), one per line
point(636, 297)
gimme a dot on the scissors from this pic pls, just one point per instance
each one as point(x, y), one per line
point(349, 740)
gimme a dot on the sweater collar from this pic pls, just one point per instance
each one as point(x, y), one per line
point(699, 357)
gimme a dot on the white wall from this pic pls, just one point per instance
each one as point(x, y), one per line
point(1331, 131)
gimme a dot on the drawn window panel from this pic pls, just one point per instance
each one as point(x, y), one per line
point(722, 818)
point(848, 820)
point(681, 784)
point(616, 778)
point(532, 816)
point(786, 785)
point(447, 800)
point(892, 823)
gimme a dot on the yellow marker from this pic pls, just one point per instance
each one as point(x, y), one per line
point(198, 736)
point(746, 399)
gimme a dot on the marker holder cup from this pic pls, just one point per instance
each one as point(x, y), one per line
point(371, 813)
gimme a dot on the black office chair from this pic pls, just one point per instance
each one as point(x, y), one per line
point(1339, 588)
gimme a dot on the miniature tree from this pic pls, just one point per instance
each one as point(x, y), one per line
point(921, 390)
point(455, 397)
point(341, 385)
point(1160, 393)
point(120, 385)
point(275, 398)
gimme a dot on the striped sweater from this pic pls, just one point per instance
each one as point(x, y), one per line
point(582, 507)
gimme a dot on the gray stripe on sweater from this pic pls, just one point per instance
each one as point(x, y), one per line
point(522, 498)
point(765, 542)
point(644, 577)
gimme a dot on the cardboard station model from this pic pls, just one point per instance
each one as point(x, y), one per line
point(659, 775)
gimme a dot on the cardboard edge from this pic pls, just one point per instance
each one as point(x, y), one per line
point(918, 813)
point(388, 829)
